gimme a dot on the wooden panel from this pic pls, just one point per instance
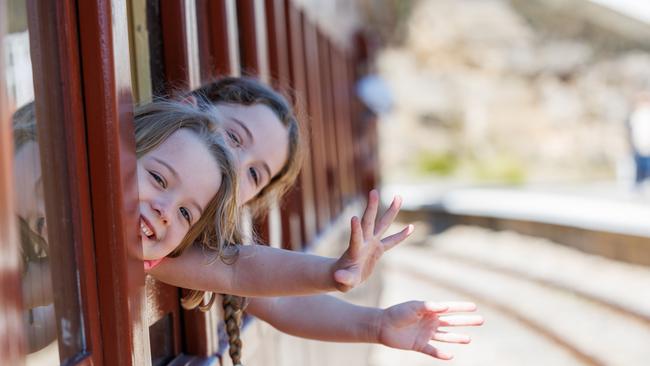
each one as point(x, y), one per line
point(318, 149)
point(299, 83)
point(112, 163)
point(12, 345)
point(218, 38)
point(59, 110)
point(329, 126)
point(252, 38)
point(278, 51)
point(139, 47)
point(342, 111)
point(175, 50)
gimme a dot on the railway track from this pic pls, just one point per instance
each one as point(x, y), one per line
point(538, 311)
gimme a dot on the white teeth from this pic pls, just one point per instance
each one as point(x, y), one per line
point(145, 229)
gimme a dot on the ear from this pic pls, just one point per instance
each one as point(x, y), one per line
point(191, 100)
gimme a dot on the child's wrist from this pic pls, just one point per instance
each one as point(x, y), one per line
point(374, 325)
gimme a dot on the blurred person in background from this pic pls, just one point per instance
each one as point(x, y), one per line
point(639, 129)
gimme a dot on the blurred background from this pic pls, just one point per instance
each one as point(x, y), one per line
point(517, 132)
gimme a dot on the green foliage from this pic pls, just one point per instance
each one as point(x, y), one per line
point(500, 169)
point(442, 164)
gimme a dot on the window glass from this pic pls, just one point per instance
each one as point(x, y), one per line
point(50, 300)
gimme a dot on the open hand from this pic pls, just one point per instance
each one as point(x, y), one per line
point(413, 325)
point(366, 244)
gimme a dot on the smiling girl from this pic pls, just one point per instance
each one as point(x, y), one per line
point(187, 181)
point(264, 137)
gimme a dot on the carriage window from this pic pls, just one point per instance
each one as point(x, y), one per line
point(51, 311)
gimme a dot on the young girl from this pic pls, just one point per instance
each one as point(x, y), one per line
point(264, 136)
point(187, 181)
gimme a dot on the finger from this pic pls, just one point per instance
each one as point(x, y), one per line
point(461, 320)
point(390, 241)
point(345, 277)
point(422, 308)
point(458, 306)
point(389, 216)
point(435, 307)
point(356, 236)
point(369, 216)
point(434, 352)
point(441, 336)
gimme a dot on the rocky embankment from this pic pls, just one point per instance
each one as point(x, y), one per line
point(481, 94)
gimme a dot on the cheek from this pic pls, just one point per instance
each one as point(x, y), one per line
point(245, 194)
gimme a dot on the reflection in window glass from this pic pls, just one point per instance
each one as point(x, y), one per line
point(38, 253)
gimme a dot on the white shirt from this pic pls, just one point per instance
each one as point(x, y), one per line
point(640, 129)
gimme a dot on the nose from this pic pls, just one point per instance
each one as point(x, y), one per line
point(160, 210)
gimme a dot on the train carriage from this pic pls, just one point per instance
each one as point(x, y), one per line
point(85, 64)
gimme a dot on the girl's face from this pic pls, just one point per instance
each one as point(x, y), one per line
point(260, 144)
point(176, 181)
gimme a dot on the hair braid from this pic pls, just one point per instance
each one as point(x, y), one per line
point(232, 310)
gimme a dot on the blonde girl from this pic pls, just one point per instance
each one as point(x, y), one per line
point(264, 135)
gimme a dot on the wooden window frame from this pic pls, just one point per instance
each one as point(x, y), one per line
point(83, 88)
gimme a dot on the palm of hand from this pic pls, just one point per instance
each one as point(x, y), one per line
point(366, 244)
point(413, 325)
point(405, 328)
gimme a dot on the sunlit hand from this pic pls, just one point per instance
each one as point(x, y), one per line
point(366, 244)
point(413, 325)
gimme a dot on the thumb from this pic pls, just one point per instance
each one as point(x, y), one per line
point(345, 277)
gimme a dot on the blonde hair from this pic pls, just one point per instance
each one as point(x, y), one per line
point(218, 227)
point(248, 91)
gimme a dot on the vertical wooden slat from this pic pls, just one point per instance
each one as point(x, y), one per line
point(319, 152)
point(139, 48)
point(12, 342)
point(329, 126)
point(299, 83)
point(251, 19)
point(278, 47)
point(112, 162)
point(219, 37)
point(343, 116)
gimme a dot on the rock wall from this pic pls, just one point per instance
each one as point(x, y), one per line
point(481, 93)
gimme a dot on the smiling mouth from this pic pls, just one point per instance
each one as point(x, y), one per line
point(146, 229)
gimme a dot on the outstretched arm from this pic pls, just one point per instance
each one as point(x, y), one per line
point(263, 271)
point(258, 271)
point(411, 325)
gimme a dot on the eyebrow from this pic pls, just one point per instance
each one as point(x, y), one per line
point(175, 173)
point(169, 167)
point(250, 137)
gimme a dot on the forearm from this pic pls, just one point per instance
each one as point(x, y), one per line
point(321, 317)
point(258, 271)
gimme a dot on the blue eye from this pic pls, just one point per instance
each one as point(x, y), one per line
point(159, 179)
point(254, 175)
point(186, 214)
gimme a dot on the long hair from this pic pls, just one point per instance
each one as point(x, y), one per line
point(248, 91)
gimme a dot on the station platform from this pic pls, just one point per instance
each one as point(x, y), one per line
point(603, 207)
